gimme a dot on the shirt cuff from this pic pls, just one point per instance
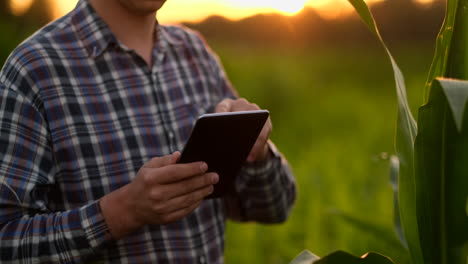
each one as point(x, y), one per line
point(94, 225)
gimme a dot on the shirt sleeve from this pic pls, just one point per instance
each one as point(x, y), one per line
point(265, 191)
point(221, 87)
point(29, 231)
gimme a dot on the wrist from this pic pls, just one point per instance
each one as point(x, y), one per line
point(119, 213)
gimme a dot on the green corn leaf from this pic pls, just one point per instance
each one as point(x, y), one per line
point(305, 257)
point(456, 93)
point(442, 50)
point(394, 172)
point(385, 236)
point(457, 64)
point(451, 54)
point(405, 136)
point(341, 257)
point(441, 157)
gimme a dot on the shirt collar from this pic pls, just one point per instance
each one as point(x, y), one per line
point(97, 36)
point(91, 29)
point(165, 36)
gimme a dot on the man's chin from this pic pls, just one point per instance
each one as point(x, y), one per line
point(144, 7)
point(152, 7)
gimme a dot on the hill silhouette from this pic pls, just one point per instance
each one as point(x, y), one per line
point(401, 22)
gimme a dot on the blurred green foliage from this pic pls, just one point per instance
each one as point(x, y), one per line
point(331, 94)
point(334, 115)
point(14, 29)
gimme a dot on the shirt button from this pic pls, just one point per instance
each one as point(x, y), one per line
point(202, 260)
point(171, 135)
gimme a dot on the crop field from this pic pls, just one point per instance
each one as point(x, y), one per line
point(333, 109)
point(334, 116)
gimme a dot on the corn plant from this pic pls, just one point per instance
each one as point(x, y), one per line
point(432, 152)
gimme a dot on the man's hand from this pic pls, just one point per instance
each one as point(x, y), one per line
point(260, 149)
point(162, 192)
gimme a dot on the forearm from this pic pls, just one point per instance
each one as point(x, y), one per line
point(265, 192)
point(117, 214)
point(63, 237)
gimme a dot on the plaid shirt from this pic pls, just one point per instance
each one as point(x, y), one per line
point(80, 113)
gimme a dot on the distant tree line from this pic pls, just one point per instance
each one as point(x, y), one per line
point(400, 22)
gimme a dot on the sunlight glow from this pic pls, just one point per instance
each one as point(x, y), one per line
point(425, 1)
point(332, 9)
point(289, 6)
point(176, 11)
point(19, 7)
point(61, 7)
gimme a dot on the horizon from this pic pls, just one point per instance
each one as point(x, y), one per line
point(180, 11)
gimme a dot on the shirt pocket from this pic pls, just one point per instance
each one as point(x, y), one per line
point(184, 115)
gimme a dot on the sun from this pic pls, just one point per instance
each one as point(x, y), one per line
point(290, 7)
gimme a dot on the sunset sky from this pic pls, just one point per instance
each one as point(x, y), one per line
point(195, 10)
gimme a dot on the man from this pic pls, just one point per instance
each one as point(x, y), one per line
point(93, 109)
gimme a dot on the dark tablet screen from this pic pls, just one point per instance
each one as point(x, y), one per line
point(223, 141)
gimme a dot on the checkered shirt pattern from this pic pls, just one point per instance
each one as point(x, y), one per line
point(80, 113)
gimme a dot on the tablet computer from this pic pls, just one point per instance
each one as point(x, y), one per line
point(224, 141)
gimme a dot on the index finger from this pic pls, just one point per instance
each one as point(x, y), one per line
point(178, 172)
point(158, 162)
point(261, 144)
point(224, 106)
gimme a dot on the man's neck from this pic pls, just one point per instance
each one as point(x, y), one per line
point(136, 31)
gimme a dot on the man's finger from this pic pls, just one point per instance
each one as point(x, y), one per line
point(178, 172)
point(243, 105)
point(187, 200)
point(187, 186)
point(260, 147)
point(178, 214)
point(224, 106)
point(159, 162)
